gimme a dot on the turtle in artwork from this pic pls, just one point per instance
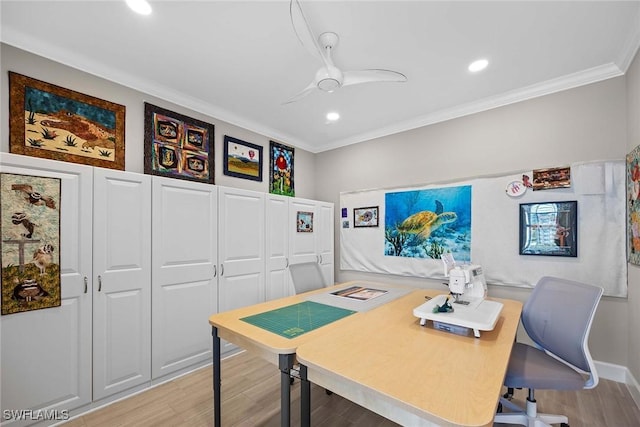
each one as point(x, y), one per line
point(424, 223)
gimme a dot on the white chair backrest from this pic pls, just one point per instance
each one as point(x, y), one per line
point(306, 276)
point(558, 317)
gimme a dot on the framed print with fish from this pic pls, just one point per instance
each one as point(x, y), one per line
point(56, 123)
point(242, 159)
point(365, 217)
point(177, 146)
point(30, 243)
point(281, 170)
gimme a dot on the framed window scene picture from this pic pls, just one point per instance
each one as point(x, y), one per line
point(365, 217)
point(549, 228)
point(242, 159)
point(177, 146)
point(281, 169)
point(56, 123)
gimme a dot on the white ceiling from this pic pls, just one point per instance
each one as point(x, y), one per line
point(238, 61)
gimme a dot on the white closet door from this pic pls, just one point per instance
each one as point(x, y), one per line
point(241, 250)
point(325, 240)
point(46, 354)
point(277, 245)
point(184, 219)
point(121, 281)
point(302, 244)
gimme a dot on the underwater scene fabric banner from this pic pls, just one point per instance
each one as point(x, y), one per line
point(477, 220)
point(428, 223)
point(30, 245)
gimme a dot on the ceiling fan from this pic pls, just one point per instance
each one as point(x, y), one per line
point(329, 77)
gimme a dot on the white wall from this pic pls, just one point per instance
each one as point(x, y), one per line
point(633, 125)
point(19, 61)
point(587, 123)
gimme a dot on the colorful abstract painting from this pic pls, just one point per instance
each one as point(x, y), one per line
point(281, 170)
point(177, 146)
point(30, 245)
point(57, 123)
point(633, 206)
point(428, 223)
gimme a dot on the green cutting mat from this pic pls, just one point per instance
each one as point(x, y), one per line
point(294, 320)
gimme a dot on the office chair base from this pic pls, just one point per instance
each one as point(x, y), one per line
point(530, 417)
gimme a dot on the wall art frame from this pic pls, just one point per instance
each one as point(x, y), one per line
point(242, 159)
point(549, 228)
point(304, 222)
point(551, 178)
point(281, 170)
point(178, 146)
point(633, 205)
point(365, 217)
point(57, 123)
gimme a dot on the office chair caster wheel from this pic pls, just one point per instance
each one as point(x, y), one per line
point(291, 380)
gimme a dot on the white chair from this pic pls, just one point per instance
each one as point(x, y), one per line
point(306, 276)
point(557, 317)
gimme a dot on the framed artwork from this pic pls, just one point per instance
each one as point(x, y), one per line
point(365, 217)
point(549, 228)
point(55, 123)
point(242, 159)
point(30, 243)
point(281, 169)
point(177, 146)
point(633, 206)
point(547, 179)
point(304, 222)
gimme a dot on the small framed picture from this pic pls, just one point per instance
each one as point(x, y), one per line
point(365, 217)
point(549, 228)
point(304, 222)
point(547, 179)
point(242, 159)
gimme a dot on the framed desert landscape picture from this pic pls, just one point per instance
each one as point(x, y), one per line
point(56, 123)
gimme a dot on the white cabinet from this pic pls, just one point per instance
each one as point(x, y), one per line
point(46, 354)
point(241, 249)
point(122, 281)
point(278, 283)
point(184, 270)
point(324, 241)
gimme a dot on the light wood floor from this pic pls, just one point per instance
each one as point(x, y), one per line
point(251, 397)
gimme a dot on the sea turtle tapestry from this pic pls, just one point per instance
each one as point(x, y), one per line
point(30, 245)
point(60, 124)
point(427, 223)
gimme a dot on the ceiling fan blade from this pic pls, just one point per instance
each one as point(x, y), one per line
point(302, 94)
point(372, 76)
point(304, 33)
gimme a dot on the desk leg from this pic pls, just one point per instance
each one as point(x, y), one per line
point(305, 398)
point(217, 420)
point(286, 363)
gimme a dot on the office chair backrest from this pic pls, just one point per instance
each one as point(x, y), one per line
point(306, 276)
point(558, 316)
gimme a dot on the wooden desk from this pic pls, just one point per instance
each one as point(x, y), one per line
point(414, 375)
point(272, 347)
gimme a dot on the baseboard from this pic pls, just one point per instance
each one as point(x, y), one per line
point(620, 374)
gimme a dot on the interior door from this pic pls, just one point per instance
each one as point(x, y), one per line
point(184, 270)
point(302, 240)
point(46, 354)
point(121, 281)
point(277, 247)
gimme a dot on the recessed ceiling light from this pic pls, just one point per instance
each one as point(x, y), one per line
point(478, 65)
point(139, 6)
point(333, 116)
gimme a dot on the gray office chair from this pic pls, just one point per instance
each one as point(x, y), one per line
point(306, 276)
point(557, 317)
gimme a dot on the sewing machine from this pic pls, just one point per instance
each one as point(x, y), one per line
point(466, 283)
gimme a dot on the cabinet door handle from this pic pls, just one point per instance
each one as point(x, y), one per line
point(215, 270)
point(86, 282)
point(320, 256)
point(287, 266)
point(221, 270)
point(99, 283)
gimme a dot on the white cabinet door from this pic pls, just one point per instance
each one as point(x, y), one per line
point(324, 240)
point(278, 283)
point(121, 281)
point(184, 219)
point(302, 244)
point(241, 248)
point(46, 354)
